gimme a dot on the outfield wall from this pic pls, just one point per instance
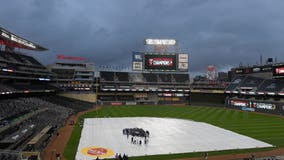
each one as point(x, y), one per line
point(208, 99)
point(143, 98)
point(264, 106)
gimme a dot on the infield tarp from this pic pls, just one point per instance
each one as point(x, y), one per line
point(167, 136)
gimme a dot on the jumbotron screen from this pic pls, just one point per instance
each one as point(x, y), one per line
point(160, 62)
point(155, 61)
point(278, 71)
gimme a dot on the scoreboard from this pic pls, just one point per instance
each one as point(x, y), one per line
point(160, 62)
point(155, 61)
point(278, 71)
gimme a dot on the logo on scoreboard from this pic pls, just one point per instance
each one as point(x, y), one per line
point(137, 66)
point(183, 58)
point(279, 70)
point(183, 66)
point(160, 61)
point(137, 56)
point(96, 151)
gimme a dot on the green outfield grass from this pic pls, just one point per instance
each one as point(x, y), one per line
point(266, 128)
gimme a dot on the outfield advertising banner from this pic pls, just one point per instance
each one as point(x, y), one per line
point(264, 105)
point(256, 106)
point(239, 103)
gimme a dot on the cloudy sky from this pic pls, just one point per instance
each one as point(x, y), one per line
point(213, 32)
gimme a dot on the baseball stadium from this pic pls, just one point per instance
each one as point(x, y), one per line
point(70, 110)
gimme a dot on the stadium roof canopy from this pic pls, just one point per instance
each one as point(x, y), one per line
point(11, 40)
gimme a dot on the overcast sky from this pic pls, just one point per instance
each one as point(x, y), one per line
point(213, 32)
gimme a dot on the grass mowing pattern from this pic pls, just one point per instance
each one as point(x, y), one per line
point(266, 128)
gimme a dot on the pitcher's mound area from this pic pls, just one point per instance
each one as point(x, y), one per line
point(103, 137)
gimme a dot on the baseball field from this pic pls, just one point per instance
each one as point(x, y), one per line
point(266, 128)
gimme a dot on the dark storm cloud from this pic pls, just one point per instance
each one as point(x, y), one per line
point(221, 32)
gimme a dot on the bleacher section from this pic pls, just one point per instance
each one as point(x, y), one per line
point(165, 77)
point(136, 77)
point(182, 78)
point(76, 105)
point(255, 94)
point(18, 58)
point(28, 123)
point(21, 73)
point(5, 89)
point(122, 76)
point(11, 88)
point(21, 118)
point(150, 77)
point(143, 88)
point(124, 81)
point(19, 66)
point(272, 85)
point(249, 85)
point(107, 76)
point(8, 156)
point(234, 84)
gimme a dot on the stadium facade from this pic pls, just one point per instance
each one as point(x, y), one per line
point(72, 75)
point(257, 88)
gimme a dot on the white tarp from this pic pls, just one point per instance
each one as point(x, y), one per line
point(167, 135)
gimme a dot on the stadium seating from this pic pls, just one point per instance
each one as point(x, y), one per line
point(10, 88)
point(150, 77)
point(271, 85)
point(235, 83)
point(18, 58)
point(136, 77)
point(5, 88)
point(34, 87)
point(76, 105)
point(122, 76)
point(165, 77)
point(19, 66)
point(7, 156)
point(107, 76)
point(256, 84)
point(250, 82)
point(10, 108)
point(19, 114)
point(181, 78)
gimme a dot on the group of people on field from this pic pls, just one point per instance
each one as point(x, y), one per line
point(138, 135)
